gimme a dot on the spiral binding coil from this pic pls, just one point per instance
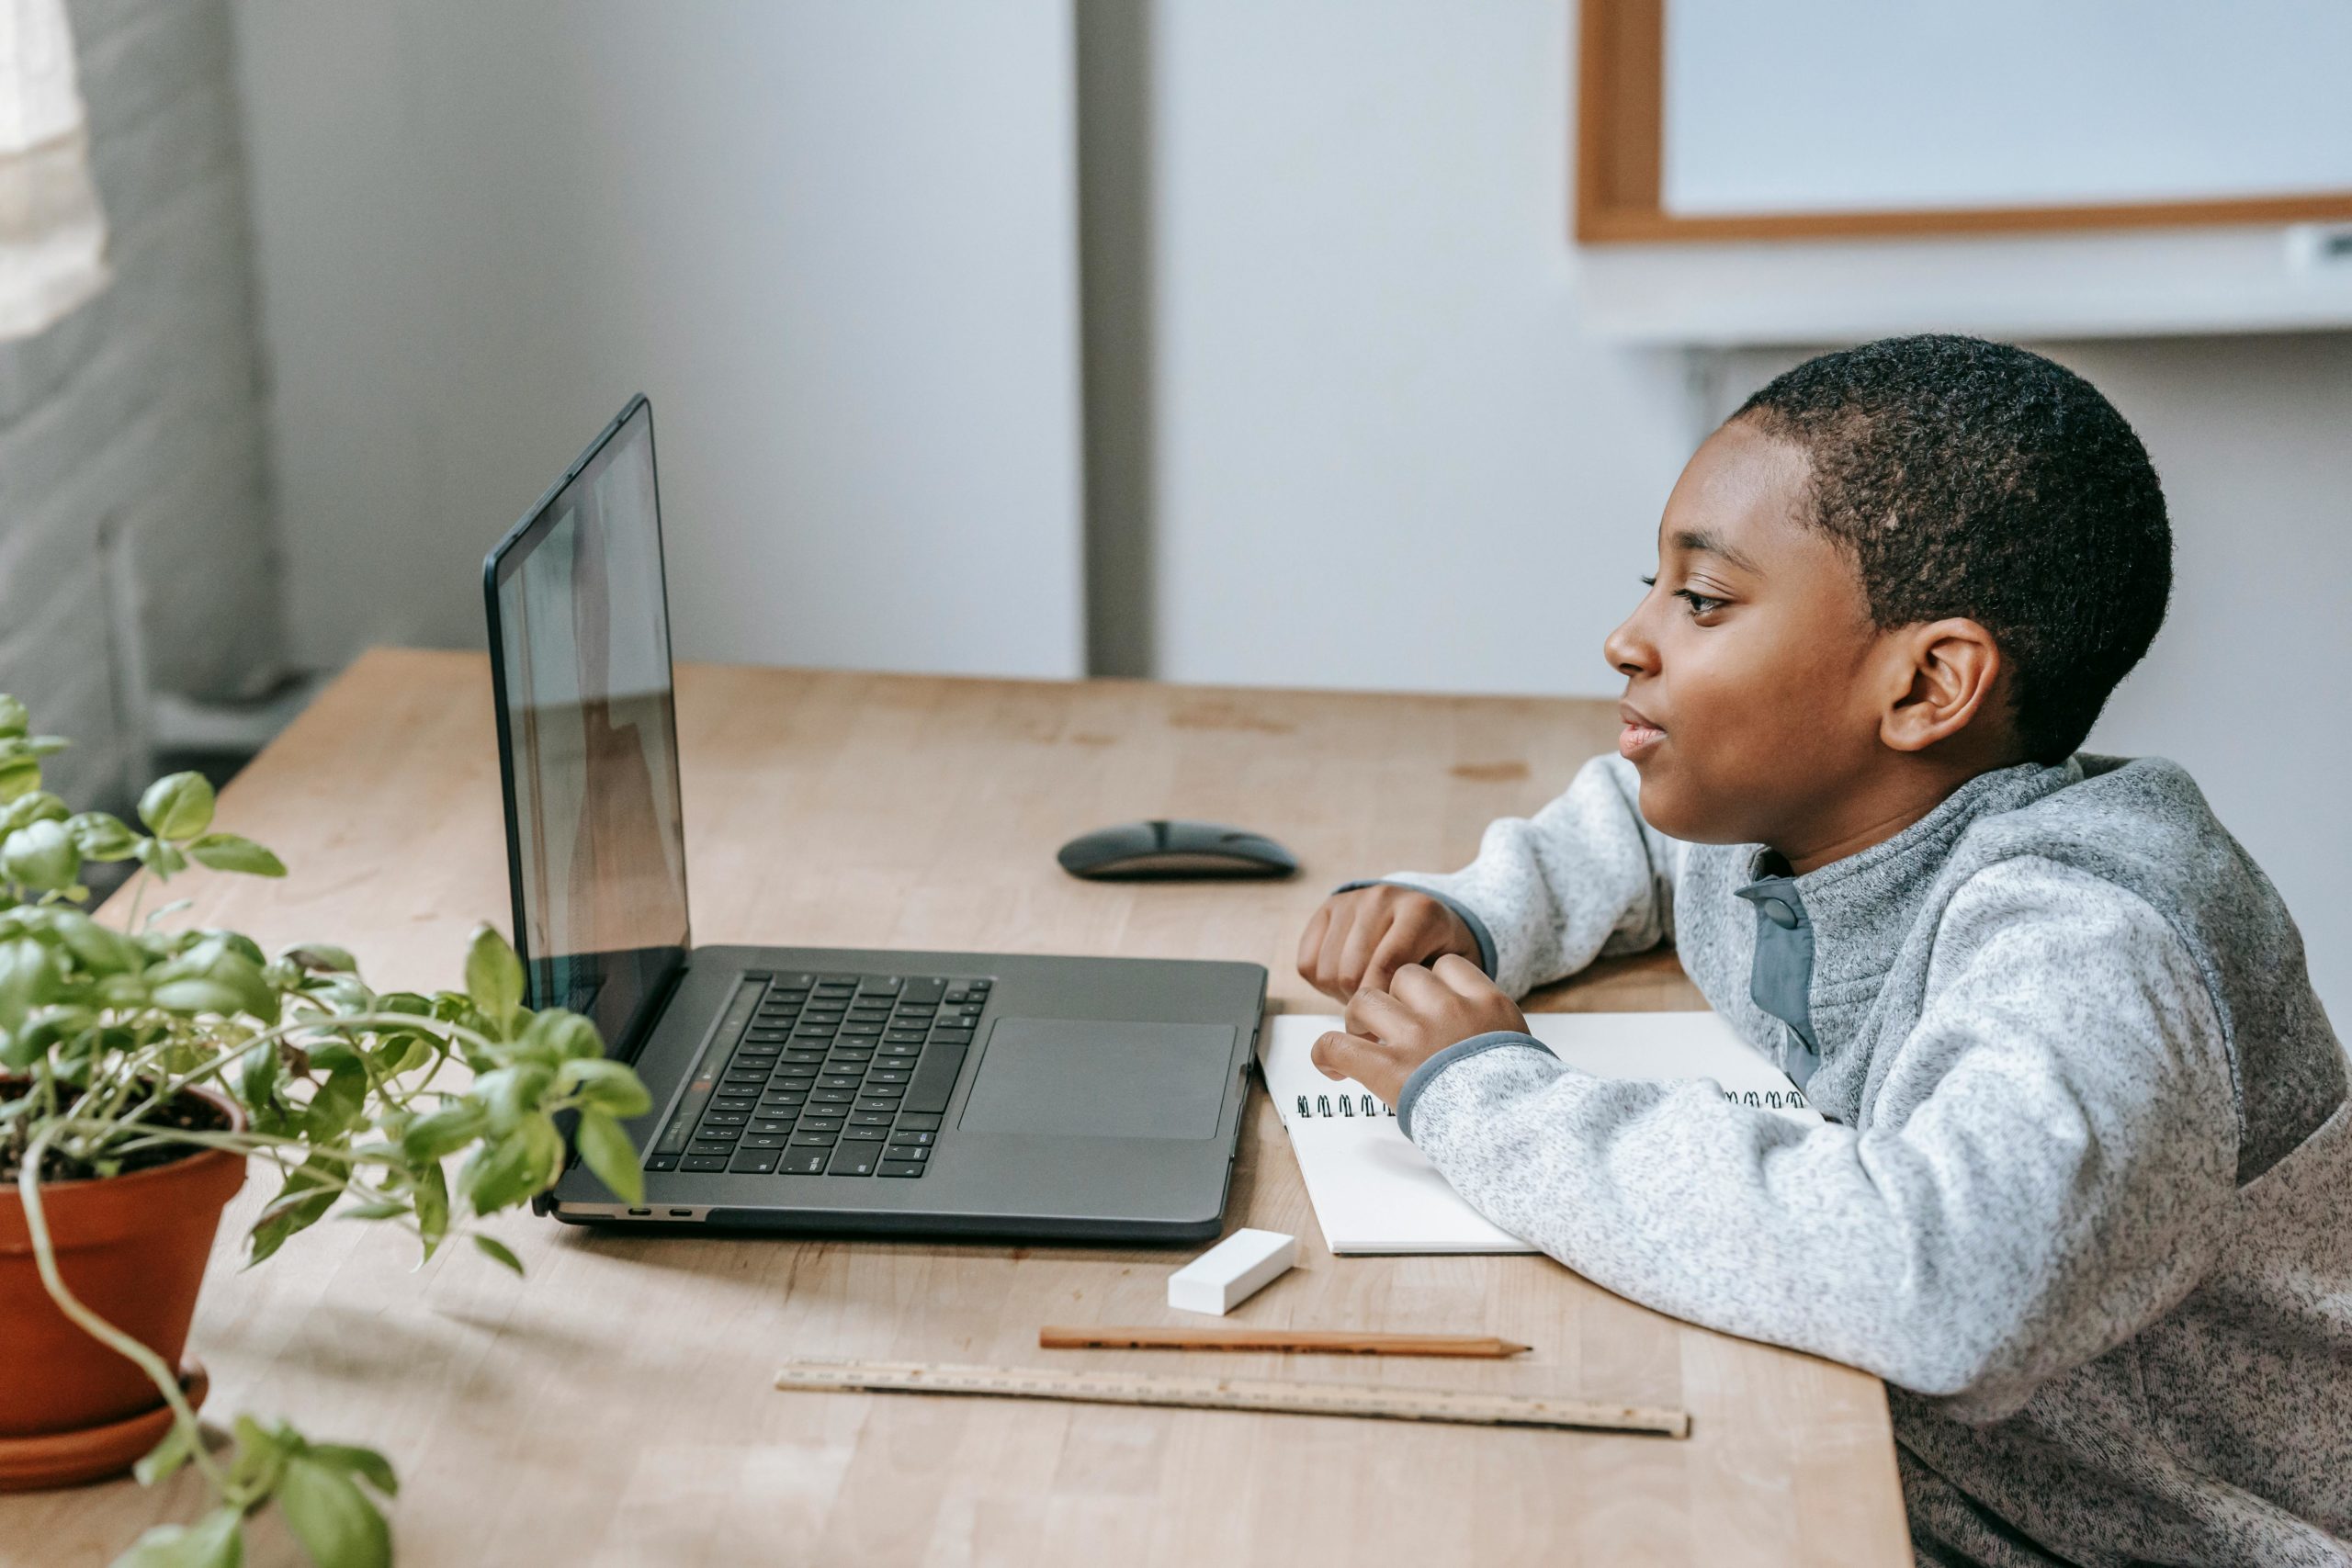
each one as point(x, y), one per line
point(1345, 1105)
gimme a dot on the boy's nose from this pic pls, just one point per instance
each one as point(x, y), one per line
point(1628, 652)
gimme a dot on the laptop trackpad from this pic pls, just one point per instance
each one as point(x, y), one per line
point(1077, 1077)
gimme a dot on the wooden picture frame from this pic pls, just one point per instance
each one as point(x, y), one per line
point(1618, 167)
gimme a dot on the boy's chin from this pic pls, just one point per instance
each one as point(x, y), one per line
point(1669, 805)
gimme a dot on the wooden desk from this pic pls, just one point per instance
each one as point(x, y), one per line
point(614, 1407)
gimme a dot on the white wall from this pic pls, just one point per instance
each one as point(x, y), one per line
point(132, 493)
point(834, 243)
point(1388, 453)
point(1374, 386)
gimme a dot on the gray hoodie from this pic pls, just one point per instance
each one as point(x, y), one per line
point(2081, 1199)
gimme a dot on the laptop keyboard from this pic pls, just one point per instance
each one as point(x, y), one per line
point(830, 1075)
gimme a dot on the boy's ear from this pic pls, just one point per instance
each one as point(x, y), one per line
point(1943, 675)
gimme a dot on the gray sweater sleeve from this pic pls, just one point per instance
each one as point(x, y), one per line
point(1584, 876)
point(2061, 1182)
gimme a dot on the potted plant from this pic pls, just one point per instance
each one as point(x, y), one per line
point(144, 1064)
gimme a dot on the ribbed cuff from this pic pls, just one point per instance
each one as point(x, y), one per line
point(1426, 1073)
point(1469, 916)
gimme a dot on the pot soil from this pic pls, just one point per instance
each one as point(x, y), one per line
point(133, 1249)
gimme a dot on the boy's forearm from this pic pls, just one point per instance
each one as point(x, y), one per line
point(2058, 1188)
point(1549, 894)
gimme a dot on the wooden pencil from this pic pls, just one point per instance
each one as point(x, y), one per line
point(1337, 1342)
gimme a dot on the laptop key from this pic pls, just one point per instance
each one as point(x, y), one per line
point(760, 1162)
point(863, 1134)
point(922, 990)
point(889, 1075)
point(661, 1162)
point(815, 1140)
point(711, 1146)
point(703, 1162)
point(766, 1141)
point(823, 1123)
point(853, 1159)
point(911, 1122)
point(768, 1125)
point(899, 1167)
point(914, 1135)
point(871, 1119)
point(934, 1079)
point(801, 1162)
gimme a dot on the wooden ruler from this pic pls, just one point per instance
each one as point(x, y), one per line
point(1229, 1393)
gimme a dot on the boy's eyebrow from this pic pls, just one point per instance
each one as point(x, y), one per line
point(1699, 541)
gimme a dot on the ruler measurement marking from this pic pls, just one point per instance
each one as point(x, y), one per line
point(1229, 1393)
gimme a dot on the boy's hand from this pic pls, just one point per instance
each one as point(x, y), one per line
point(1356, 941)
point(1390, 1032)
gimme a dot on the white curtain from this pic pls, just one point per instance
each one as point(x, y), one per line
point(53, 236)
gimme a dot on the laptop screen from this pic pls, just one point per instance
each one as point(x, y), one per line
point(588, 739)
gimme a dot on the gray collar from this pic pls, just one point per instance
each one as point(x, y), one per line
point(1826, 940)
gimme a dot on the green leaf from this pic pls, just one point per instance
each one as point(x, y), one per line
point(432, 1193)
point(440, 1133)
point(498, 1250)
point(332, 1517)
point(493, 977)
point(605, 1148)
point(337, 1103)
point(101, 837)
point(607, 1086)
point(556, 1036)
point(160, 858)
point(320, 957)
point(300, 1204)
point(382, 1209)
point(197, 994)
point(511, 1094)
point(227, 851)
point(15, 718)
point(38, 806)
point(260, 1456)
point(262, 1071)
point(18, 776)
point(102, 949)
point(216, 1540)
point(178, 806)
point(28, 978)
point(165, 1457)
point(40, 854)
point(367, 1463)
point(503, 1173)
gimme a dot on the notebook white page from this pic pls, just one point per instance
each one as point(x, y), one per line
point(1375, 1193)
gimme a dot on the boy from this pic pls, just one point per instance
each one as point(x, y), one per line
point(2081, 1196)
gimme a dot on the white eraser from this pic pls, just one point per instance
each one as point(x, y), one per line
point(1232, 1271)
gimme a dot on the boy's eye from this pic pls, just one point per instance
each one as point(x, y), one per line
point(1701, 604)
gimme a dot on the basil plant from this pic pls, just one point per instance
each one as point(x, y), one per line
point(357, 1101)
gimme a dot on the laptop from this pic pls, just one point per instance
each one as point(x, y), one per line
point(814, 1089)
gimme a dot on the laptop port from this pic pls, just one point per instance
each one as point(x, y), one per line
point(640, 1214)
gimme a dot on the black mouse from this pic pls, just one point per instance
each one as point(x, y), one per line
point(1134, 851)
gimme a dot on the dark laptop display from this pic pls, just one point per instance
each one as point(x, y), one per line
point(595, 837)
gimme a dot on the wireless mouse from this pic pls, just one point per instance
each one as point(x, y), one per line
point(1134, 851)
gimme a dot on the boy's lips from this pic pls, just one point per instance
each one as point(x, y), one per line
point(1639, 736)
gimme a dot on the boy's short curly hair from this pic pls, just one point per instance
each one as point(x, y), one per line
point(1972, 478)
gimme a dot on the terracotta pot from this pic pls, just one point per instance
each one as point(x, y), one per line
point(133, 1249)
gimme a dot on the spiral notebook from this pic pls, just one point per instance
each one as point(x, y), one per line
point(1375, 1193)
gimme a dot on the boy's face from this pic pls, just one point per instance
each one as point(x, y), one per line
point(1749, 709)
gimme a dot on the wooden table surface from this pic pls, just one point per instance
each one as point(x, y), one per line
point(615, 1407)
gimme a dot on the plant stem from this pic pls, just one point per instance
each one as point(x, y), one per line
point(165, 1377)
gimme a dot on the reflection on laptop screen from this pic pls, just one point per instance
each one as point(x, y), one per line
point(598, 845)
